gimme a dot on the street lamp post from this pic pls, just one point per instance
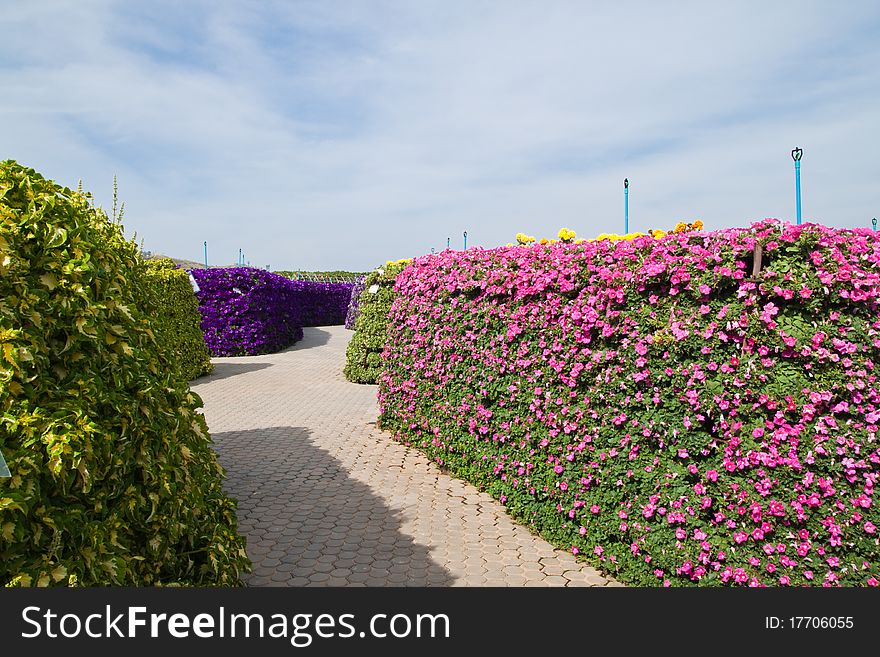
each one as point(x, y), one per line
point(796, 155)
point(447, 242)
point(465, 240)
point(206, 254)
point(626, 206)
point(874, 223)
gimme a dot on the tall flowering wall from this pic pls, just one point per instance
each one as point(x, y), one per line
point(650, 405)
point(250, 311)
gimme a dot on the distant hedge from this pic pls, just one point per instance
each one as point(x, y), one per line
point(353, 311)
point(336, 276)
point(322, 304)
point(113, 479)
point(177, 321)
point(363, 356)
point(247, 311)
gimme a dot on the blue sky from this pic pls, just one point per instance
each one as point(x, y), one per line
point(341, 134)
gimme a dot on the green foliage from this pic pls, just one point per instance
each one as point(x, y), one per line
point(113, 478)
point(363, 356)
point(176, 318)
point(337, 276)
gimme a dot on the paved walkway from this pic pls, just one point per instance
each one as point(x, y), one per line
point(326, 499)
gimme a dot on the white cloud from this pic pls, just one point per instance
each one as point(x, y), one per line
point(332, 135)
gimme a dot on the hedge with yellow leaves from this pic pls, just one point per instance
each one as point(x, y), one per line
point(113, 478)
point(177, 322)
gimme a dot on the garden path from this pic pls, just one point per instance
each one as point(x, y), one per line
point(326, 499)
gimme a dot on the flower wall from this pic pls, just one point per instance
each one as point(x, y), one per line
point(322, 304)
point(247, 311)
point(250, 311)
point(648, 404)
point(353, 311)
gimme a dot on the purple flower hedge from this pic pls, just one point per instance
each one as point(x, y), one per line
point(250, 311)
point(650, 405)
point(354, 302)
point(322, 304)
point(247, 311)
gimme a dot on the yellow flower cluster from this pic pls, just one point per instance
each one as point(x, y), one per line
point(683, 227)
point(567, 235)
point(614, 237)
point(680, 227)
point(402, 261)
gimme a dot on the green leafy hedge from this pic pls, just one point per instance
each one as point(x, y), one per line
point(177, 320)
point(113, 478)
point(363, 356)
point(335, 276)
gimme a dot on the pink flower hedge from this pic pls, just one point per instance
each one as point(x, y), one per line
point(650, 406)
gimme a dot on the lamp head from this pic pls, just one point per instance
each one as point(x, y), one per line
point(625, 183)
point(796, 154)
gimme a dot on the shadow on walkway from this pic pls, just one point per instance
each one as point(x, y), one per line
point(312, 337)
point(308, 523)
point(225, 370)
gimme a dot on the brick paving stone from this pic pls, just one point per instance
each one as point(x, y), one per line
point(319, 486)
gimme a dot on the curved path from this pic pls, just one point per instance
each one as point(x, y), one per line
point(326, 499)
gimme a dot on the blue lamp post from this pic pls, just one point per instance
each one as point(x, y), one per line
point(874, 223)
point(465, 240)
point(447, 242)
point(796, 155)
point(626, 206)
point(206, 254)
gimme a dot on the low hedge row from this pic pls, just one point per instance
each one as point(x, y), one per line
point(652, 405)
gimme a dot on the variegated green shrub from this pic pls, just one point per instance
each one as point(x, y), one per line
point(363, 356)
point(113, 478)
point(176, 317)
